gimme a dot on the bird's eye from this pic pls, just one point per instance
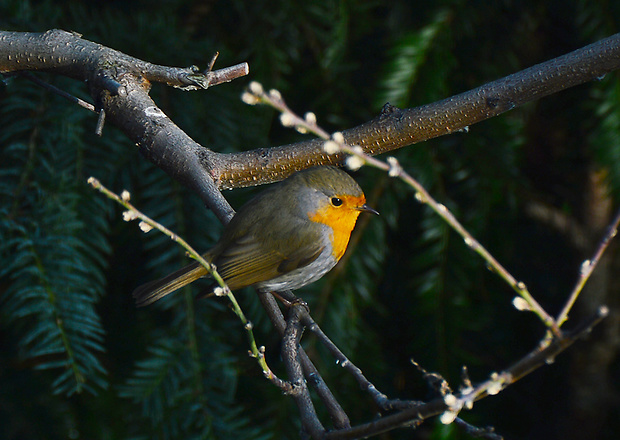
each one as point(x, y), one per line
point(336, 201)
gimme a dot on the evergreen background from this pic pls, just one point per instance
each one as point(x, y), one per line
point(77, 360)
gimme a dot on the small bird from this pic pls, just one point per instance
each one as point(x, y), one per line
point(286, 237)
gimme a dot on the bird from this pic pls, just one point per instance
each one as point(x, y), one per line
point(286, 237)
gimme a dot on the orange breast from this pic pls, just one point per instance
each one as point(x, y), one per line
point(341, 220)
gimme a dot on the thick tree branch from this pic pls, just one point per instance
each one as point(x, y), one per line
point(396, 128)
point(120, 87)
point(66, 53)
point(113, 74)
point(162, 142)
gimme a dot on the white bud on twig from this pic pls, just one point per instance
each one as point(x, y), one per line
point(520, 304)
point(219, 291)
point(310, 118)
point(331, 147)
point(585, 267)
point(495, 386)
point(275, 95)
point(256, 88)
point(249, 98)
point(287, 119)
point(448, 417)
point(145, 227)
point(395, 168)
point(354, 163)
point(338, 137)
point(130, 215)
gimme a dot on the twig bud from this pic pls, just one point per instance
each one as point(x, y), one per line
point(130, 215)
point(338, 137)
point(287, 119)
point(448, 417)
point(310, 118)
point(331, 147)
point(256, 88)
point(275, 95)
point(496, 385)
point(395, 168)
point(354, 163)
point(249, 98)
point(145, 227)
point(520, 304)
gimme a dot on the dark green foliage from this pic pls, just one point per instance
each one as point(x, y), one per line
point(55, 275)
point(409, 58)
point(78, 360)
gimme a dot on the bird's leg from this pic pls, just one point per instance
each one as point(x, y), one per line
point(287, 297)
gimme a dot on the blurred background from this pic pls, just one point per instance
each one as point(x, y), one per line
point(537, 186)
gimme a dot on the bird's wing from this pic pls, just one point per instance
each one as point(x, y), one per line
point(247, 261)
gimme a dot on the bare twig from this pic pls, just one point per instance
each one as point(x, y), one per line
point(380, 399)
point(290, 352)
point(100, 123)
point(147, 224)
point(312, 375)
point(336, 143)
point(191, 78)
point(68, 96)
point(587, 267)
point(452, 404)
point(549, 347)
point(474, 431)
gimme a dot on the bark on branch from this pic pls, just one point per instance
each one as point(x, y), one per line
point(120, 83)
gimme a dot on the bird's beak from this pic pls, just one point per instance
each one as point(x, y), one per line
point(367, 208)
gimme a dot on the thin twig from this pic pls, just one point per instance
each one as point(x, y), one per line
point(30, 77)
point(336, 143)
point(474, 431)
point(191, 78)
point(290, 354)
point(212, 62)
point(100, 123)
point(147, 224)
point(451, 405)
point(587, 267)
point(380, 399)
point(312, 375)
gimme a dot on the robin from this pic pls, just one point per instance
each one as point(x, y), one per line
point(286, 237)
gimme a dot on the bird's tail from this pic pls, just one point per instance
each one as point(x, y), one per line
point(150, 292)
